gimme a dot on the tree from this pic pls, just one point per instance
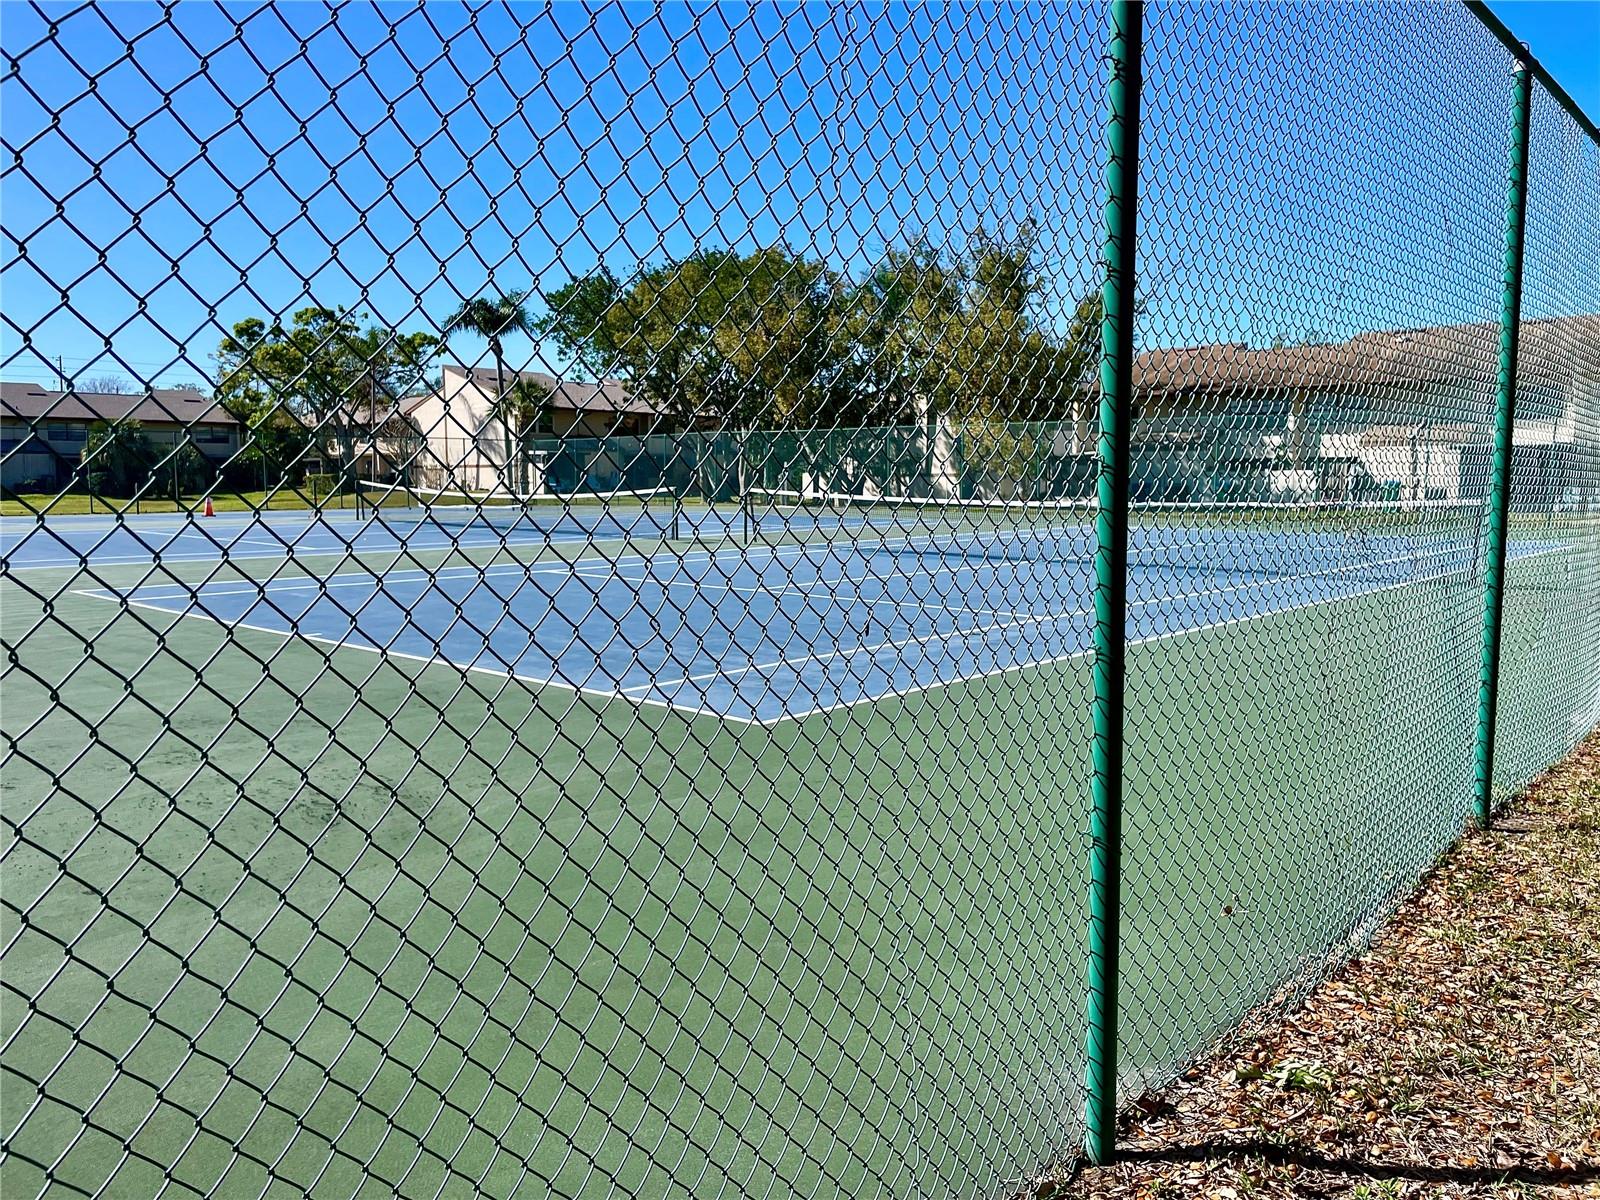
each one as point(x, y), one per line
point(750, 340)
point(325, 373)
point(527, 405)
point(902, 315)
point(577, 322)
point(118, 457)
point(108, 385)
point(926, 341)
point(492, 320)
point(275, 439)
point(963, 343)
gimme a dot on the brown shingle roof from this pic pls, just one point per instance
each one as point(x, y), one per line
point(610, 395)
point(29, 401)
point(1550, 351)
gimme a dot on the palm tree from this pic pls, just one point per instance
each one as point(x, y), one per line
point(526, 403)
point(492, 320)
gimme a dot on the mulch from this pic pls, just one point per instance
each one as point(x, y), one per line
point(1459, 1056)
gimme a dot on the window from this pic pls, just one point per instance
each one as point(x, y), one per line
point(66, 433)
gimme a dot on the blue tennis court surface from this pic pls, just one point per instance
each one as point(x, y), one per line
point(762, 632)
point(182, 537)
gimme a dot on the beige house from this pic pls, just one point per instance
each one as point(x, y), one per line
point(1402, 412)
point(458, 433)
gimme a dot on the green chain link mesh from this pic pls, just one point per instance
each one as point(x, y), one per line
point(625, 729)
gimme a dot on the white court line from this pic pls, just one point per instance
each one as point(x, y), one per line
point(390, 542)
point(304, 542)
point(561, 566)
point(935, 685)
point(857, 598)
point(566, 568)
point(584, 567)
point(1047, 618)
point(606, 694)
point(394, 539)
point(376, 583)
point(939, 685)
point(376, 580)
point(870, 649)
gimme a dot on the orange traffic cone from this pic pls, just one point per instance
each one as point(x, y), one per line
point(210, 511)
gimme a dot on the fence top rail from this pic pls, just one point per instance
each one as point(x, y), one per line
point(1509, 40)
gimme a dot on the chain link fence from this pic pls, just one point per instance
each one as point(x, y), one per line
point(548, 593)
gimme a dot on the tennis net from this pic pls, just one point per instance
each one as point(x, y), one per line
point(1384, 541)
point(644, 513)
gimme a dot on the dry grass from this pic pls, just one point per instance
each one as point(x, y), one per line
point(1459, 1057)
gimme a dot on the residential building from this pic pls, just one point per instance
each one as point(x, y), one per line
point(459, 433)
point(1400, 414)
point(43, 432)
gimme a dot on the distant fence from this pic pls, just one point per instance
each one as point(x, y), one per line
point(871, 581)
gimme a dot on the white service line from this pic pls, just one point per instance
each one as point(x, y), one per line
point(607, 694)
point(301, 542)
point(935, 685)
point(1149, 639)
point(378, 580)
point(869, 649)
point(910, 601)
point(1024, 619)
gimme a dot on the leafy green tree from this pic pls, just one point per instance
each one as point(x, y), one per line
point(275, 439)
point(191, 470)
point(119, 458)
point(962, 341)
point(1008, 365)
point(578, 322)
point(773, 340)
point(492, 320)
point(326, 372)
point(902, 317)
point(744, 340)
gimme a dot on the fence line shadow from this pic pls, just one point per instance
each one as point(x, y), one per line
point(1283, 1156)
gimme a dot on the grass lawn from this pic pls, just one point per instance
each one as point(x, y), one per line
point(81, 504)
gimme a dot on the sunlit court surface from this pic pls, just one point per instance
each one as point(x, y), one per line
point(476, 662)
point(680, 602)
point(761, 613)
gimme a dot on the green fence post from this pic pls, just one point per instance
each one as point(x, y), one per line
point(1111, 575)
point(1500, 463)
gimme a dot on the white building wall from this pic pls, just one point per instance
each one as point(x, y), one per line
point(1420, 464)
point(464, 443)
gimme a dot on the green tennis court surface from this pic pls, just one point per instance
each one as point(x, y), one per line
point(823, 925)
point(625, 730)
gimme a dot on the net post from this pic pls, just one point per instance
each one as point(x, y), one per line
point(1111, 571)
point(1500, 460)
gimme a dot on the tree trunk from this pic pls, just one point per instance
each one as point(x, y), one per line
point(507, 477)
point(345, 436)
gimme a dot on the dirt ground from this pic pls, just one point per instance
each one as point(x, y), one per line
point(1458, 1057)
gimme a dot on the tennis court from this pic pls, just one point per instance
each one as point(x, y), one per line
point(693, 750)
point(806, 613)
point(798, 709)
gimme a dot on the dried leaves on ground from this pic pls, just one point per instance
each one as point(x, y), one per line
point(1458, 1057)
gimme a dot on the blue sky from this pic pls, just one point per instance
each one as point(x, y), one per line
point(1564, 36)
point(205, 168)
